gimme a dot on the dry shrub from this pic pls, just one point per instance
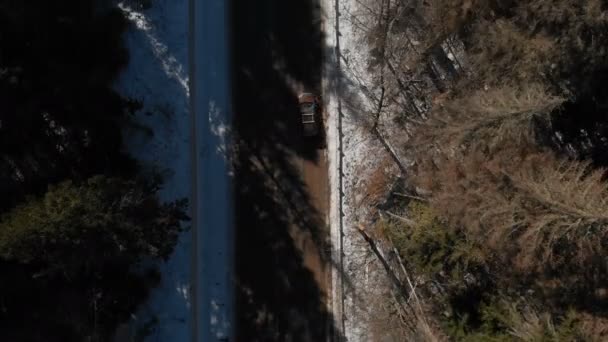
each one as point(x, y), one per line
point(526, 324)
point(536, 212)
point(563, 207)
point(563, 15)
point(540, 40)
point(500, 52)
point(377, 184)
point(439, 19)
point(519, 320)
point(426, 329)
point(537, 40)
point(487, 119)
point(443, 18)
point(580, 28)
point(394, 321)
point(411, 29)
point(594, 327)
point(389, 321)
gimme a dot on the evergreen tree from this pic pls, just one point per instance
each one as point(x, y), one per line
point(71, 260)
point(59, 116)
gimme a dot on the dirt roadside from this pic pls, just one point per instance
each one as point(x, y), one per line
point(315, 178)
point(281, 182)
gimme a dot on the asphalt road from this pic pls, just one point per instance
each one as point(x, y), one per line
point(212, 295)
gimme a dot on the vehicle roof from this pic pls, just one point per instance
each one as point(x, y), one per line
point(306, 97)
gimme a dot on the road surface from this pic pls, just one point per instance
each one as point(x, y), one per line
point(316, 184)
point(262, 262)
point(281, 184)
point(212, 295)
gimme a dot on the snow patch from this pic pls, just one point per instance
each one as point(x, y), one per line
point(361, 278)
point(172, 67)
point(157, 76)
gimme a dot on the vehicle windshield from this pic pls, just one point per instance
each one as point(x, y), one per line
point(307, 107)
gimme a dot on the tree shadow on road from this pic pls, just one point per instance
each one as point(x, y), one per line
point(276, 46)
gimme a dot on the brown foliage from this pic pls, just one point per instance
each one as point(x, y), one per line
point(535, 212)
point(487, 119)
point(448, 17)
point(539, 40)
point(501, 52)
point(596, 328)
point(535, 219)
point(377, 184)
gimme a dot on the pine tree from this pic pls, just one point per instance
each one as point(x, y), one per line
point(81, 245)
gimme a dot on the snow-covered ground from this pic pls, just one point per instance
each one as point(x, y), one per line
point(158, 76)
point(358, 284)
point(330, 83)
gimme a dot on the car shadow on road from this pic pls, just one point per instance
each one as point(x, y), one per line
point(277, 45)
